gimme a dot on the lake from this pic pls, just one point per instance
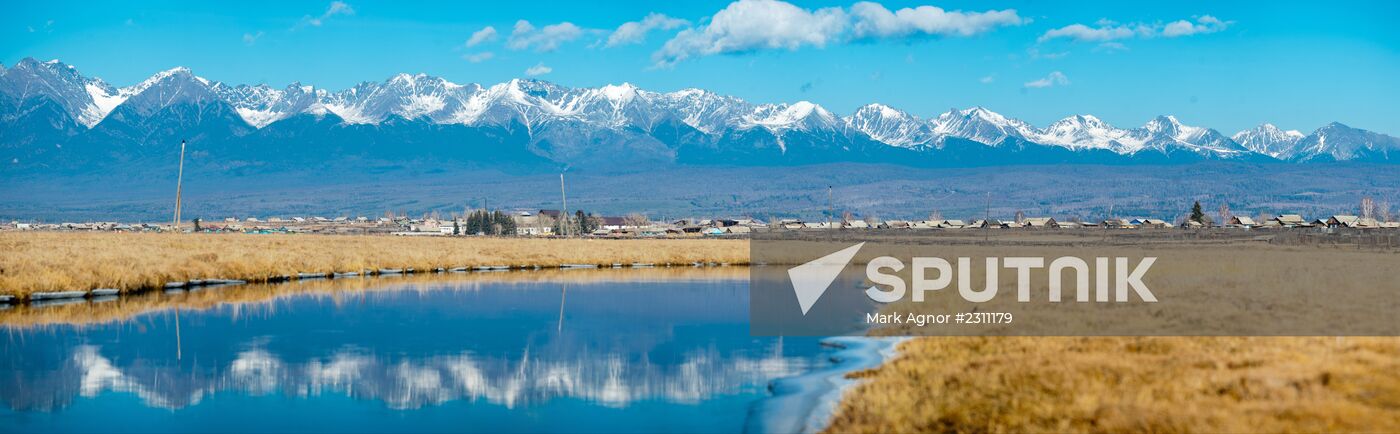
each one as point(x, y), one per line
point(556, 351)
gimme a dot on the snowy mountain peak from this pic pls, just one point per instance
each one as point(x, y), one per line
point(890, 126)
point(1269, 140)
point(801, 115)
point(980, 125)
point(621, 92)
point(1081, 132)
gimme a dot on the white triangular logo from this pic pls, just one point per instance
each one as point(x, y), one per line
point(810, 280)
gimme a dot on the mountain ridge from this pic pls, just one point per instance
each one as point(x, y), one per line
point(43, 102)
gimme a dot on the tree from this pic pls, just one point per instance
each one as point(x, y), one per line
point(1020, 216)
point(1224, 213)
point(1197, 215)
point(1385, 211)
point(1368, 208)
point(636, 220)
point(935, 216)
point(456, 230)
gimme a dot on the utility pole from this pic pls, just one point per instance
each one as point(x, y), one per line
point(563, 213)
point(829, 209)
point(987, 217)
point(179, 186)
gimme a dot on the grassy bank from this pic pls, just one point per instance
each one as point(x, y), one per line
point(1130, 384)
point(63, 261)
point(258, 297)
point(1158, 384)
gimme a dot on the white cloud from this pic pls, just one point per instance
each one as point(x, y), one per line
point(987, 80)
point(1203, 25)
point(538, 69)
point(251, 38)
point(479, 57)
point(1080, 32)
point(548, 38)
point(1105, 30)
point(749, 25)
point(1056, 78)
point(486, 34)
point(872, 20)
point(753, 25)
point(336, 8)
point(633, 32)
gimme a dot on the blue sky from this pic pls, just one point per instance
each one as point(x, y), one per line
point(1227, 65)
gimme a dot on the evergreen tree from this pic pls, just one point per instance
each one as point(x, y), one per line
point(1197, 215)
point(456, 230)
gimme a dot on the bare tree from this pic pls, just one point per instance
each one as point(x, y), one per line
point(1225, 213)
point(1368, 207)
point(636, 220)
point(1384, 212)
point(935, 216)
point(847, 217)
point(1020, 216)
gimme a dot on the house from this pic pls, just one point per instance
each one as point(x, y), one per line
point(1338, 221)
point(896, 224)
point(724, 223)
point(1243, 221)
point(1192, 224)
point(1039, 222)
point(1154, 223)
point(857, 224)
point(1390, 225)
point(1291, 220)
point(738, 230)
point(612, 223)
point(713, 231)
point(1068, 225)
point(951, 224)
point(299, 219)
point(1367, 222)
point(1119, 224)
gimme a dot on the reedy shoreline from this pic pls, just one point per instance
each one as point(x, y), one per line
point(77, 261)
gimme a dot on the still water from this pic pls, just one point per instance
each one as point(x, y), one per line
point(612, 351)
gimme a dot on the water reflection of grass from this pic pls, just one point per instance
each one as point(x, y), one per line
point(85, 313)
point(49, 261)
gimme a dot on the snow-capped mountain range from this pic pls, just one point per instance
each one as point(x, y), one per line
point(50, 101)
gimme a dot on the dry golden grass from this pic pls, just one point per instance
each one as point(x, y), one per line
point(1160, 384)
point(62, 261)
point(125, 308)
point(1130, 384)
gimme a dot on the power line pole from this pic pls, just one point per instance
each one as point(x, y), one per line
point(179, 186)
point(563, 213)
point(987, 217)
point(829, 209)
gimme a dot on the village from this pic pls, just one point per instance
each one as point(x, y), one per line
point(546, 223)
